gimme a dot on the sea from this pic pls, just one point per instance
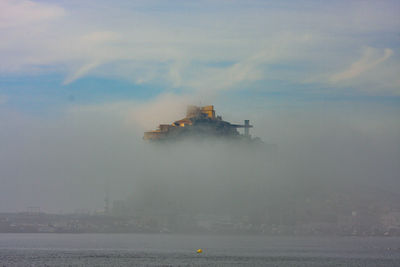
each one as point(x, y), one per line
point(52, 249)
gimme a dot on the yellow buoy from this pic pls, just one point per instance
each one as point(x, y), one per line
point(199, 250)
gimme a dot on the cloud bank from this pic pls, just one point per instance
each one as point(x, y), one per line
point(65, 163)
point(236, 56)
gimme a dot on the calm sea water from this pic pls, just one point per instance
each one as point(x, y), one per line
point(180, 250)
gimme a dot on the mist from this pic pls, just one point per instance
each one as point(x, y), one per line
point(315, 160)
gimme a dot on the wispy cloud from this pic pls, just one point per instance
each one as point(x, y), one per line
point(16, 13)
point(370, 58)
point(81, 72)
point(197, 46)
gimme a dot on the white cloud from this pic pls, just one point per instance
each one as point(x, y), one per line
point(142, 115)
point(253, 67)
point(166, 108)
point(81, 72)
point(178, 48)
point(370, 58)
point(18, 13)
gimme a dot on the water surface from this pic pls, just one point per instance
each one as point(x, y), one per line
point(180, 250)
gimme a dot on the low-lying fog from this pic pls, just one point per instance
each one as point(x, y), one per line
point(71, 161)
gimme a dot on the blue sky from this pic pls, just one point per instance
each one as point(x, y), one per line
point(55, 52)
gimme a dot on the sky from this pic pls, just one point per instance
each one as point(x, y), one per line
point(79, 79)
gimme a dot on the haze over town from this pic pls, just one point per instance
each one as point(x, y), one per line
point(81, 82)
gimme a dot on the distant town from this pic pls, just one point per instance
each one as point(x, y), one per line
point(356, 223)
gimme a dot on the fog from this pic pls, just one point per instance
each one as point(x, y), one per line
point(312, 155)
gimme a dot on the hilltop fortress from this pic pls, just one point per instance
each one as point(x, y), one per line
point(200, 122)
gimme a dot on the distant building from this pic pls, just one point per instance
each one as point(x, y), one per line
point(391, 222)
point(200, 122)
